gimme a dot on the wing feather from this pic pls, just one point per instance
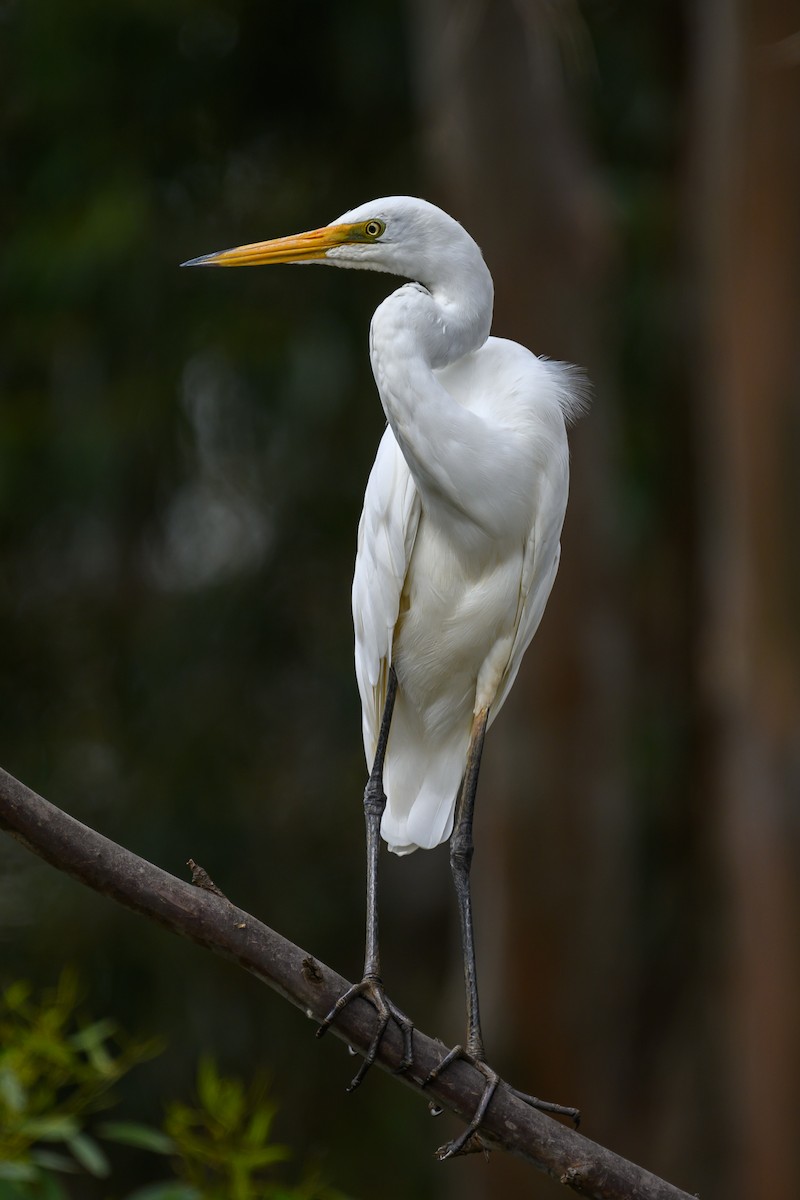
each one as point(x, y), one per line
point(386, 534)
point(539, 568)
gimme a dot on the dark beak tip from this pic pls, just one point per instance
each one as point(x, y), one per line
point(197, 262)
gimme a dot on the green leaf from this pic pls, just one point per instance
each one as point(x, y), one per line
point(51, 1161)
point(22, 1172)
point(102, 1062)
point(208, 1083)
point(260, 1124)
point(89, 1155)
point(51, 1129)
point(223, 1099)
point(16, 994)
point(94, 1035)
point(12, 1093)
point(144, 1137)
point(264, 1156)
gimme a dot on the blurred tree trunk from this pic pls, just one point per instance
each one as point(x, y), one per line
point(649, 860)
point(507, 157)
point(746, 220)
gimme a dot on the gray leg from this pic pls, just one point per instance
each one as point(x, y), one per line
point(461, 851)
point(374, 804)
point(371, 985)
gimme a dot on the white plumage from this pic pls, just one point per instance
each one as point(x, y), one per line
point(458, 547)
point(455, 608)
point(458, 544)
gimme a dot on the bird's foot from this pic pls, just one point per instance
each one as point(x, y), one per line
point(469, 1141)
point(372, 989)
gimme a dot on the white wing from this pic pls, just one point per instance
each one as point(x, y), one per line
point(386, 534)
point(538, 577)
point(543, 546)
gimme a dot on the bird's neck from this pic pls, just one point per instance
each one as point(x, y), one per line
point(414, 333)
point(440, 322)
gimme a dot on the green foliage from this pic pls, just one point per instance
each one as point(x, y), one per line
point(221, 1146)
point(56, 1071)
point(223, 1143)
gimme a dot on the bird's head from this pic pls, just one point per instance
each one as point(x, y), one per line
point(398, 234)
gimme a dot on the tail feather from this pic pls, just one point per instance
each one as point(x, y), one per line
point(421, 780)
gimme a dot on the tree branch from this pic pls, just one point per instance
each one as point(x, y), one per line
point(200, 912)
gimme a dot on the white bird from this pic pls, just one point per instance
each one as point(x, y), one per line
point(458, 544)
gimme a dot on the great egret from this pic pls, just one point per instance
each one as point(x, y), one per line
point(458, 547)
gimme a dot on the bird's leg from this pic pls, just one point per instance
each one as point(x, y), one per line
point(461, 852)
point(371, 986)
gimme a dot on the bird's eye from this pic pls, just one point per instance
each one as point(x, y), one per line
point(374, 229)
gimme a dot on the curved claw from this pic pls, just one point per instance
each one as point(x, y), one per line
point(372, 989)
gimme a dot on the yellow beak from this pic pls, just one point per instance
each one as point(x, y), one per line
point(300, 247)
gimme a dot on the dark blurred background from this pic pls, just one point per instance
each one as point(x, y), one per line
point(182, 461)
